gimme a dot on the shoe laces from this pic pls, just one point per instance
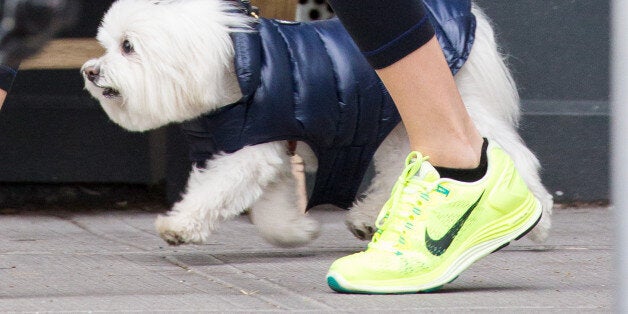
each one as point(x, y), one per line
point(403, 211)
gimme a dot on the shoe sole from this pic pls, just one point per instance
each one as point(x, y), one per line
point(521, 236)
point(338, 284)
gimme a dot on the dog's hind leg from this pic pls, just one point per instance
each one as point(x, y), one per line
point(278, 216)
point(388, 162)
point(228, 185)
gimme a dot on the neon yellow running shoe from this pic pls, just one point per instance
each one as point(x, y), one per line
point(432, 229)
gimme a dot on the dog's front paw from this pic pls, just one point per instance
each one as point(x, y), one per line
point(361, 223)
point(176, 230)
point(292, 233)
point(172, 237)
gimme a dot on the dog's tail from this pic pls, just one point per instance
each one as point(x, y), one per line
point(488, 88)
point(489, 74)
point(490, 94)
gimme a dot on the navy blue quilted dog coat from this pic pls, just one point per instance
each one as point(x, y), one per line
point(309, 82)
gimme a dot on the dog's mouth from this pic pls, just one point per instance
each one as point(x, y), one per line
point(110, 92)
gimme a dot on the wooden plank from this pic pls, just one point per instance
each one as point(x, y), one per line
point(64, 54)
point(278, 9)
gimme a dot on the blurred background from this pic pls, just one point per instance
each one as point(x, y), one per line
point(58, 146)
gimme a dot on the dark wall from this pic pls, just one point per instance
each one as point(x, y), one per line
point(559, 49)
point(559, 54)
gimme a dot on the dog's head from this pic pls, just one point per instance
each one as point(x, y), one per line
point(165, 61)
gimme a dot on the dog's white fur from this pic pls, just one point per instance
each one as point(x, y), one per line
point(182, 67)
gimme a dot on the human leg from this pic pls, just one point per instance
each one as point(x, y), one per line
point(411, 64)
point(431, 108)
point(437, 221)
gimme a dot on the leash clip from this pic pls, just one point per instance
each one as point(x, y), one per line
point(249, 9)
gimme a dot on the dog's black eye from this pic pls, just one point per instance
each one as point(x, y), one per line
point(127, 48)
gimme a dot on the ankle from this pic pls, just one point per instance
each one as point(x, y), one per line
point(467, 174)
point(462, 155)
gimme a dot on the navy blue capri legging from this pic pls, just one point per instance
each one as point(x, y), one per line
point(385, 30)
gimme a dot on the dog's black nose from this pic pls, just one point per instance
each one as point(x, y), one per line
point(91, 72)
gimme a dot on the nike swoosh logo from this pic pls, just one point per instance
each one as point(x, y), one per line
point(438, 247)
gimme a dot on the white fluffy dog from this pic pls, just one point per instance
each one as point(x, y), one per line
point(172, 60)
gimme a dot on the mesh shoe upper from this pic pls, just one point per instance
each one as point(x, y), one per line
point(430, 226)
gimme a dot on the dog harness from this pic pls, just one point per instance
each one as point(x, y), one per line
point(309, 82)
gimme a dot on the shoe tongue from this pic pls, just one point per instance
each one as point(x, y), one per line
point(427, 173)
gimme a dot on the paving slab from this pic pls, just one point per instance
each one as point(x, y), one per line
point(113, 261)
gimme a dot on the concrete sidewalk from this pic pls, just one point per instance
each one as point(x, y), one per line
point(113, 261)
